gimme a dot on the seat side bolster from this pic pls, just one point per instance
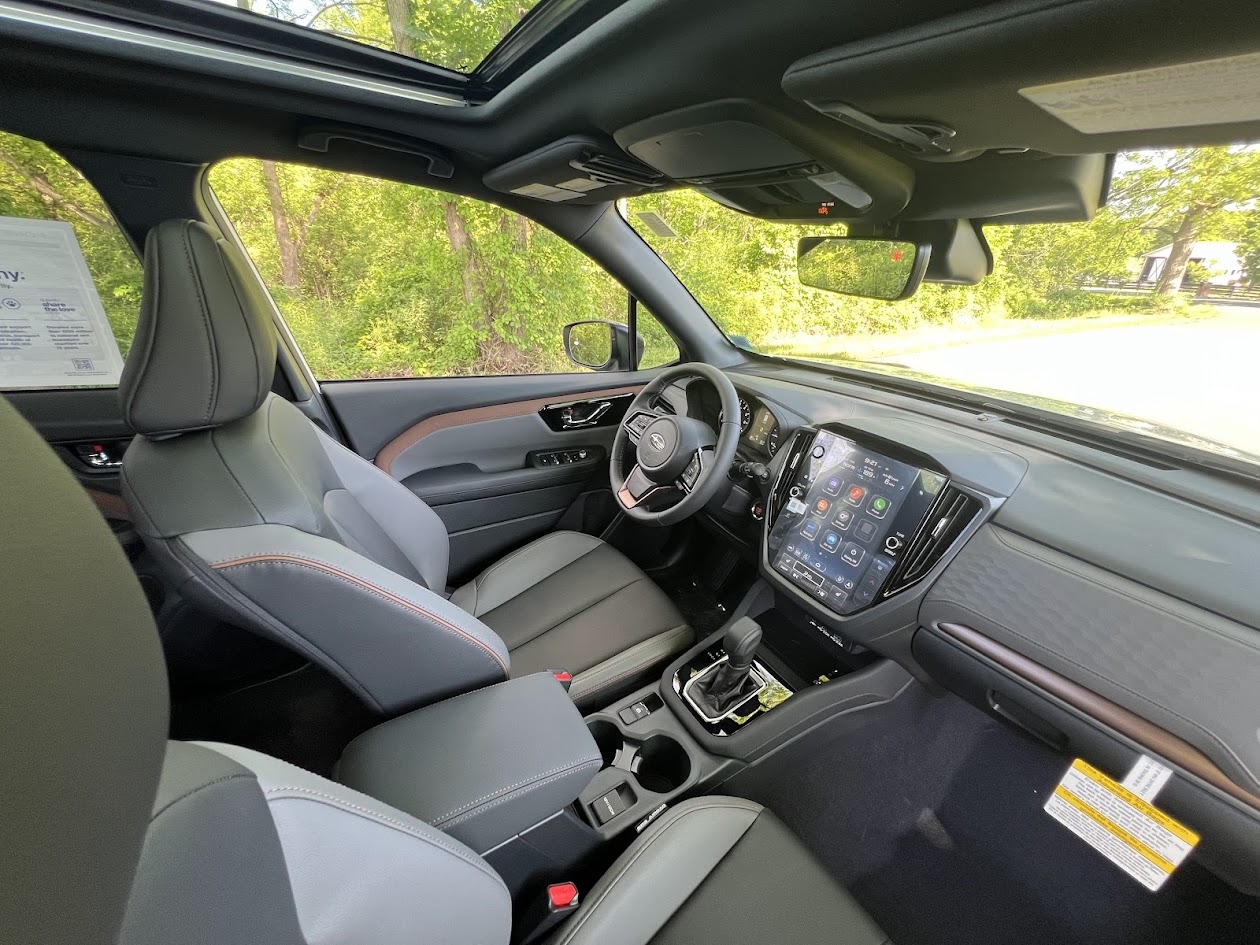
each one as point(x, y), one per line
point(660, 870)
point(396, 643)
point(362, 871)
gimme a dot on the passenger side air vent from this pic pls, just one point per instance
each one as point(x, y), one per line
point(801, 440)
point(948, 518)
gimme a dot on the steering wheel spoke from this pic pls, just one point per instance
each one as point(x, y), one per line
point(638, 420)
point(638, 489)
point(701, 462)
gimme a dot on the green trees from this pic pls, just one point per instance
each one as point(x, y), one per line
point(1181, 194)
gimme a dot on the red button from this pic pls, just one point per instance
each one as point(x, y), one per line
point(562, 895)
point(563, 676)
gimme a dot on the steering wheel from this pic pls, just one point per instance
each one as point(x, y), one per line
point(680, 460)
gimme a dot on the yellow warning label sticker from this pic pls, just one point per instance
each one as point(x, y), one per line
point(1139, 838)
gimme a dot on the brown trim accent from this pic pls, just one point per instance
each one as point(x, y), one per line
point(458, 418)
point(366, 585)
point(110, 505)
point(1158, 741)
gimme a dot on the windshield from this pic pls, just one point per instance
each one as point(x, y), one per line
point(454, 34)
point(1144, 319)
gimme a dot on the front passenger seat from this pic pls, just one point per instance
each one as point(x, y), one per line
point(112, 834)
point(270, 523)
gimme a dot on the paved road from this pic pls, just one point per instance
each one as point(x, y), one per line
point(1200, 375)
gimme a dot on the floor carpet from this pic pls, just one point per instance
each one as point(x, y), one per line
point(933, 819)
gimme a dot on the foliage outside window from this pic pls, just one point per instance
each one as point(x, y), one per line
point(382, 279)
point(1092, 319)
point(36, 183)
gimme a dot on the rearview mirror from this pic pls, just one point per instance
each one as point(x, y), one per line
point(874, 269)
point(600, 345)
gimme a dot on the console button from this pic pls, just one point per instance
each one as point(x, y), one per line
point(608, 806)
point(881, 566)
point(892, 544)
point(819, 452)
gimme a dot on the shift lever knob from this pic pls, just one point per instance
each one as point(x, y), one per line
point(741, 642)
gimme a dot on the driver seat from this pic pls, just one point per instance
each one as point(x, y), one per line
point(269, 523)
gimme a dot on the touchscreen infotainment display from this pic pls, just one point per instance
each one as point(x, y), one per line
point(849, 515)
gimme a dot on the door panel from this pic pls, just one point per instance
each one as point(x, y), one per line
point(500, 459)
point(75, 423)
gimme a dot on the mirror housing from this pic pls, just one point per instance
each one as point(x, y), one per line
point(871, 268)
point(601, 346)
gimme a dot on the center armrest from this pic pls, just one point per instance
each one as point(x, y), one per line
point(483, 766)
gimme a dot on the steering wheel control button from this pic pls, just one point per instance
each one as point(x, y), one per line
point(855, 495)
point(879, 506)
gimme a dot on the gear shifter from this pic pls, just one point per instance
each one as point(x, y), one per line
point(732, 681)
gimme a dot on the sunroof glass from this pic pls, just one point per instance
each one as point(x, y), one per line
point(454, 34)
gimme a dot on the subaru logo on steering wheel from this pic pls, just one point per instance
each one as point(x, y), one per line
point(657, 441)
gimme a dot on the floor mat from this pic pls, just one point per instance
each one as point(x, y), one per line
point(934, 822)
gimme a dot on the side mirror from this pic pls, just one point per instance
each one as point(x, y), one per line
point(873, 269)
point(601, 346)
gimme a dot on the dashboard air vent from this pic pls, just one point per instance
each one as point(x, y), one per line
point(800, 442)
point(948, 517)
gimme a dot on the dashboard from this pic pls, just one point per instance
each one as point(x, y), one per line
point(1085, 593)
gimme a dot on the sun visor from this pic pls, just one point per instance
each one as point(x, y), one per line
point(1079, 77)
point(574, 170)
point(769, 164)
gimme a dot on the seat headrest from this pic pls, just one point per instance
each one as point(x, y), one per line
point(83, 704)
point(204, 353)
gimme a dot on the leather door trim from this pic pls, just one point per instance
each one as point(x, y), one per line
point(455, 418)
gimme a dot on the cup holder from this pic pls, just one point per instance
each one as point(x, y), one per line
point(608, 738)
point(661, 765)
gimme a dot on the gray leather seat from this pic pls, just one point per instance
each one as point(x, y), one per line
point(113, 834)
point(278, 528)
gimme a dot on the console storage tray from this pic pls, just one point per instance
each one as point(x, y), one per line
point(484, 766)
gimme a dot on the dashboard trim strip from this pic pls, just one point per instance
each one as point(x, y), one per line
point(1150, 736)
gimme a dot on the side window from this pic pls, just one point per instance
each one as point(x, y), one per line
point(659, 348)
point(68, 277)
point(381, 279)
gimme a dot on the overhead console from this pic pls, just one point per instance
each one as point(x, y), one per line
point(854, 520)
point(767, 164)
point(576, 170)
